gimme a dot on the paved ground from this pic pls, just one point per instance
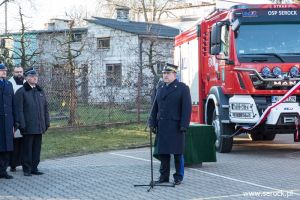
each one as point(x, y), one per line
point(260, 170)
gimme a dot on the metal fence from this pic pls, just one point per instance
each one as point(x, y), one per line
point(77, 100)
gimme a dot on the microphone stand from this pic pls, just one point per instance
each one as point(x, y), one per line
point(152, 182)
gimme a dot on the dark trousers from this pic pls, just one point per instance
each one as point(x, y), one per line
point(31, 150)
point(4, 161)
point(16, 155)
point(165, 166)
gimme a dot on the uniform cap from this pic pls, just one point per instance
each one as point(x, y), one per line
point(2, 66)
point(30, 72)
point(170, 68)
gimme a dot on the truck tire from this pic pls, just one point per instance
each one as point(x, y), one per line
point(223, 144)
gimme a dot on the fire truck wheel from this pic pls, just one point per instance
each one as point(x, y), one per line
point(223, 144)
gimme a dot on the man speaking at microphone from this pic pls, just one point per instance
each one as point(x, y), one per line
point(170, 118)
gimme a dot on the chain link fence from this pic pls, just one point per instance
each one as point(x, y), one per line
point(79, 99)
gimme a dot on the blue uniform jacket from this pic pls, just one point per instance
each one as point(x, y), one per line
point(170, 114)
point(6, 116)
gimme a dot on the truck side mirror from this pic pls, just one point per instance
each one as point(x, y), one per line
point(215, 39)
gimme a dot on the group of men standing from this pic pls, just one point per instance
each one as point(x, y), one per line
point(24, 117)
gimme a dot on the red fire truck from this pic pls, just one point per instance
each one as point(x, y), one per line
point(238, 62)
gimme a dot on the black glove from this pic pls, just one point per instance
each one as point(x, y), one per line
point(183, 130)
point(22, 130)
point(153, 130)
point(17, 125)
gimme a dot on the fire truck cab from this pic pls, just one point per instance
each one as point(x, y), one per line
point(238, 62)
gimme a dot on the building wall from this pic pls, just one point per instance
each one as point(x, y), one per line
point(30, 46)
point(124, 50)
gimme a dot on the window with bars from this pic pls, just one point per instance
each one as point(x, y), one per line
point(159, 67)
point(113, 74)
point(103, 43)
point(76, 37)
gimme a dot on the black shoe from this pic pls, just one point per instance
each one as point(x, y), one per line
point(162, 181)
point(177, 182)
point(27, 174)
point(37, 173)
point(13, 169)
point(6, 176)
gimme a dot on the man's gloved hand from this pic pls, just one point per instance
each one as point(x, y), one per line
point(22, 130)
point(183, 130)
point(17, 125)
point(153, 130)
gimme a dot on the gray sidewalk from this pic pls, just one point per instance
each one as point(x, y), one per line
point(272, 172)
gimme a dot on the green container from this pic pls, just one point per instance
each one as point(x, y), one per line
point(199, 145)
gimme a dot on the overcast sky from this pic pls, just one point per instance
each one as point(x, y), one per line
point(46, 9)
point(43, 11)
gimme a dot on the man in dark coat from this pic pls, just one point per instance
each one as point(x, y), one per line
point(6, 122)
point(17, 81)
point(170, 118)
point(33, 116)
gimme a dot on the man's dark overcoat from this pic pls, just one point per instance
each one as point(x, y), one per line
point(6, 116)
point(171, 115)
point(32, 110)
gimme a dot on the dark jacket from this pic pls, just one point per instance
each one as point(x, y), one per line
point(32, 110)
point(171, 116)
point(6, 116)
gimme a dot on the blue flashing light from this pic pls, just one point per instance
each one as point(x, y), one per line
point(266, 72)
point(277, 71)
point(294, 71)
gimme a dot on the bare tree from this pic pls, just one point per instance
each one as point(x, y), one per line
point(5, 1)
point(152, 10)
point(69, 46)
point(23, 49)
point(6, 58)
point(67, 55)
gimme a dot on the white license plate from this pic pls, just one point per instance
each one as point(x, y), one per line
point(291, 99)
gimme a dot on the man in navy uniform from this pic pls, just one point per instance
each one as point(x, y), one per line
point(33, 116)
point(6, 122)
point(170, 118)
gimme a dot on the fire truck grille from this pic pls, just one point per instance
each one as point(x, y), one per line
point(271, 85)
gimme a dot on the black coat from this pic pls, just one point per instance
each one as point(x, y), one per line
point(171, 115)
point(32, 110)
point(6, 116)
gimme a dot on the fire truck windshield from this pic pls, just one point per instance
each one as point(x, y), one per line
point(268, 42)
